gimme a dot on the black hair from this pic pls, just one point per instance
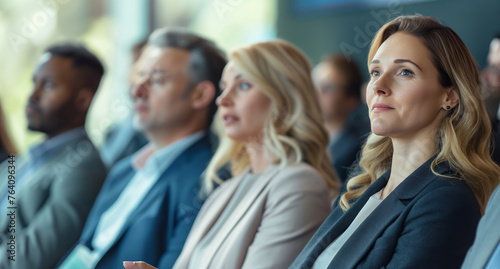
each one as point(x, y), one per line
point(89, 66)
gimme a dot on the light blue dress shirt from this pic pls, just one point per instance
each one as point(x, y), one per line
point(494, 262)
point(113, 220)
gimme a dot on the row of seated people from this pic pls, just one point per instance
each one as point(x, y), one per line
point(423, 181)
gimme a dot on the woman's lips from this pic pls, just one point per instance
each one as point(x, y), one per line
point(140, 108)
point(229, 119)
point(381, 108)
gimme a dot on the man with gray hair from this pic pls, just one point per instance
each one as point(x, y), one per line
point(149, 200)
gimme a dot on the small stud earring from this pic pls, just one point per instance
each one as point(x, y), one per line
point(448, 107)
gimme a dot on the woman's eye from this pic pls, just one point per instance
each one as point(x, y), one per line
point(374, 73)
point(157, 80)
point(245, 86)
point(406, 73)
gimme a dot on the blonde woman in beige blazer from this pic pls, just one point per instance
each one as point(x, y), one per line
point(275, 145)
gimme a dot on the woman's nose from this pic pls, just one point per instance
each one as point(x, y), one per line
point(224, 99)
point(381, 86)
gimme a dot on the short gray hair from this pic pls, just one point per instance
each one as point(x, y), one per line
point(206, 62)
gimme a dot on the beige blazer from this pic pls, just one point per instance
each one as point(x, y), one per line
point(271, 224)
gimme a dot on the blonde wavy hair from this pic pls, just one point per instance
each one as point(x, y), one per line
point(294, 130)
point(463, 139)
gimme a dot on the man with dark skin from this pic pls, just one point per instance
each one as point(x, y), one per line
point(57, 182)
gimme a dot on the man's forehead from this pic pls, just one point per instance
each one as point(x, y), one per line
point(323, 69)
point(52, 62)
point(155, 56)
point(45, 58)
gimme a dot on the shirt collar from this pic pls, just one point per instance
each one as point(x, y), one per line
point(46, 147)
point(150, 160)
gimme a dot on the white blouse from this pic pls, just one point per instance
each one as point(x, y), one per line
point(331, 251)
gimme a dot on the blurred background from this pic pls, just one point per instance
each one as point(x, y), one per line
point(111, 28)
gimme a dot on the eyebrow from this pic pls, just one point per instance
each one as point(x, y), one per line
point(158, 71)
point(42, 77)
point(221, 82)
point(398, 61)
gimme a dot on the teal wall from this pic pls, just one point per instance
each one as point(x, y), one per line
point(320, 33)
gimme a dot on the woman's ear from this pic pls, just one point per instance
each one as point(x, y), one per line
point(451, 100)
point(202, 95)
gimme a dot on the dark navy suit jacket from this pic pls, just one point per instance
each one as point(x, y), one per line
point(122, 142)
point(426, 222)
point(156, 230)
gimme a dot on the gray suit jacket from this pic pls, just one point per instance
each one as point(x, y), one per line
point(270, 225)
point(487, 236)
point(52, 204)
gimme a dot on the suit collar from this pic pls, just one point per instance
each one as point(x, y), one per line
point(411, 186)
point(364, 237)
point(261, 182)
point(208, 215)
point(176, 171)
point(47, 147)
point(391, 207)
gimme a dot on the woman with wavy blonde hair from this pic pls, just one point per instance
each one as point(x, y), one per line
point(427, 172)
point(275, 145)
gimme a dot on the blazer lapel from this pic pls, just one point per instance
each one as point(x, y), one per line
point(175, 171)
point(337, 222)
point(366, 234)
point(208, 215)
point(240, 209)
point(391, 207)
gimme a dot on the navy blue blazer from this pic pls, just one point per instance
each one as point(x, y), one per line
point(156, 230)
point(428, 221)
point(121, 142)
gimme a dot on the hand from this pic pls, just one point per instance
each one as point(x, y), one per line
point(137, 265)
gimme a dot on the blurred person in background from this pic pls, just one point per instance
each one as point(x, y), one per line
point(485, 252)
point(151, 198)
point(338, 82)
point(491, 92)
point(57, 182)
point(123, 139)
